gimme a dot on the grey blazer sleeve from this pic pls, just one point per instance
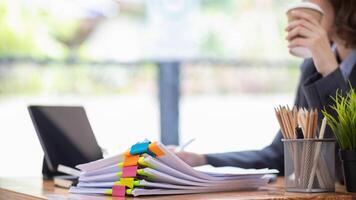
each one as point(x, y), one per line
point(319, 91)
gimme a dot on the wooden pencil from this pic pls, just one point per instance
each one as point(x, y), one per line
point(316, 156)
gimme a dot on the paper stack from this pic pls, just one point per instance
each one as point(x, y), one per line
point(151, 169)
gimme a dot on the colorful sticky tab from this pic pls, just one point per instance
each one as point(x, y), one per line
point(131, 160)
point(119, 174)
point(147, 175)
point(129, 171)
point(142, 163)
point(129, 182)
point(129, 191)
point(118, 190)
point(153, 147)
point(127, 153)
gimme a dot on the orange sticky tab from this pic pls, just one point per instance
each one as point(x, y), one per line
point(127, 153)
point(131, 160)
point(155, 149)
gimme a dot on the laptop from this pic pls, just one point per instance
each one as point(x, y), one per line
point(65, 135)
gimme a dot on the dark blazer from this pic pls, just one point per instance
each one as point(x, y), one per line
point(313, 91)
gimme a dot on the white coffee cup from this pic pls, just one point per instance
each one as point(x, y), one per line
point(313, 10)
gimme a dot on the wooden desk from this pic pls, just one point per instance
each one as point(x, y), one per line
point(35, 188)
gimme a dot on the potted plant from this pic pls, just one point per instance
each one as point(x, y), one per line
point(343, 125)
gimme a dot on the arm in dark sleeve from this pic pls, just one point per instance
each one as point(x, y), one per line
point(319, 90)
point(269, 157)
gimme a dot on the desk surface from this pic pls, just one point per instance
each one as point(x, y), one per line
point(35, 188)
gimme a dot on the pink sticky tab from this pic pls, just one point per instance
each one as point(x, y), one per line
point(129, 171)
point(118, 191)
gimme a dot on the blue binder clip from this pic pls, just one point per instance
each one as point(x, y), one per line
point(141, 148)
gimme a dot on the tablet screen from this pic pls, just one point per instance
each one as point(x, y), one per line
point(65, 135)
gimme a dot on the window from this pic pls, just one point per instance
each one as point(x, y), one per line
point(105, 54)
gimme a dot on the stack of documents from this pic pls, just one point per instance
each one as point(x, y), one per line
point(151, 169)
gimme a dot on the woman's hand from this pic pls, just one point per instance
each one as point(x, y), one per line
point(308, 32)
point(192, 159)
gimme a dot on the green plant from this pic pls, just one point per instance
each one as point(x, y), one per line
point(344, 123)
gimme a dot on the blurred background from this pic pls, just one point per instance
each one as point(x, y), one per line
point(167, 70)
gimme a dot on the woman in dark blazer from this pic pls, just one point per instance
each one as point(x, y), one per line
point(332, 66)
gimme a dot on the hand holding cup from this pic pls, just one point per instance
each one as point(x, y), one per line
point(307, 38)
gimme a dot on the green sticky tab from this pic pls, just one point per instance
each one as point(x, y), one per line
point(129, 191)
point(120, 165)
point(143, 173)
point(137, 183)
point(108, 192)
point(142, 162)
point(119, 174)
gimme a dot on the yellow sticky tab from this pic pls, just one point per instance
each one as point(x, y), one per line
point(129, 182)
point(153, 147)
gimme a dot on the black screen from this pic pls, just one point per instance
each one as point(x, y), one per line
point(65, 135)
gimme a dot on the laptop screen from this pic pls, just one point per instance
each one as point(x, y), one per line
point(65, 135)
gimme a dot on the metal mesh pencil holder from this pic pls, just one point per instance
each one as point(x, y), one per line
point(309, 165)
